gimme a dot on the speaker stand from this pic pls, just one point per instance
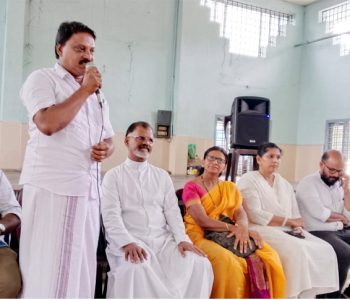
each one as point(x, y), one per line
point(233, 159)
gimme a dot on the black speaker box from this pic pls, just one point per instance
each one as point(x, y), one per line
point(250, 121)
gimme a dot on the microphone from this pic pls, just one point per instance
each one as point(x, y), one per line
point(89, 65)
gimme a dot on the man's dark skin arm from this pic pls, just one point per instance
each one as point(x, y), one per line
point(334, 217)
point(56, 117)
point(11, 221)
point(345, 185)
point(102, 150)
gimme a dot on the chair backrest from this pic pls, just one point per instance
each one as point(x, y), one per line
point(180, 202)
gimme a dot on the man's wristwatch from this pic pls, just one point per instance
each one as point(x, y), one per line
point(2, 228)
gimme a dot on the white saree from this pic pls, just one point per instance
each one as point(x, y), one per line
point(310, 264)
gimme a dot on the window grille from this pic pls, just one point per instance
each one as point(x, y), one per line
point(222, 139)
point(250, 29)
point(338, 138)
point(246, 162)
point(337, 21)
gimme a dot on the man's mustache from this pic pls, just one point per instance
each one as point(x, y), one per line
point(84, 61)
point(145, 147)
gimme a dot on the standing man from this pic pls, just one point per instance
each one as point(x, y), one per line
point(149, 254)
point(324, 202)
point(70, 134)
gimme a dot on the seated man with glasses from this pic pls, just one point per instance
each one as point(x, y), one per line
point(324, 202)
point(149, 253)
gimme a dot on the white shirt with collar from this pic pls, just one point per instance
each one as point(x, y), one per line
point(8, 201)
point(317, 201)
point(61, 163)
point(139, 205)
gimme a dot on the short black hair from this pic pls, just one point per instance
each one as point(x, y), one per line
point(216, 148)
point(67, 29)
point(133, 126)
point(325, 156)
point(263, 148)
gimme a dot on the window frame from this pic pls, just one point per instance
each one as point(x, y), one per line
point(272, 24)
point(345, 143)
point(334, 17)
point(220, 118)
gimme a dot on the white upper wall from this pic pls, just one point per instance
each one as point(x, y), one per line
point(12, 25)
point(325, 84)
point(135, 50)
point(2, 34)
point(209, 77)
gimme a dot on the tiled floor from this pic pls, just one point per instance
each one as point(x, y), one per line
point(178, 180)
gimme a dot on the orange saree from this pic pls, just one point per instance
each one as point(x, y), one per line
point(231, 278)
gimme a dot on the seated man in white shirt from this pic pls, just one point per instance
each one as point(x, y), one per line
point(10, 210)
point(150, 255)
point(324, 203)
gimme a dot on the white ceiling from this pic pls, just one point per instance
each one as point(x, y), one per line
point(302, 2)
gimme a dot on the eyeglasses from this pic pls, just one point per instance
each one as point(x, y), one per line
point(219, 160)
point(332, 170)
point(142, 139)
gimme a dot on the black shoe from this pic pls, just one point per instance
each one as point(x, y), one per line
point(334, 295)
point(346, 293)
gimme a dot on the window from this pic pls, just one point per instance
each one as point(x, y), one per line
point(338, 138)
point(250, 29)
point(337, 20)
point(221, 139)
point(246, 162)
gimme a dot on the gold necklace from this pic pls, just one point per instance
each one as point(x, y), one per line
point(211, 198)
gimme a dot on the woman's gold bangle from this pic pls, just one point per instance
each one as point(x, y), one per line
point(228, 229)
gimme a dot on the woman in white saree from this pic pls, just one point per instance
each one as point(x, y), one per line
point(309, 263)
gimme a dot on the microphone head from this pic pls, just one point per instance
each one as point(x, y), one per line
point(90, 64)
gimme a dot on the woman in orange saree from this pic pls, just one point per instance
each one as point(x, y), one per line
point(207, 198)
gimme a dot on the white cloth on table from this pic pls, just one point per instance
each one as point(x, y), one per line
point(139, 205)
point(310, 264)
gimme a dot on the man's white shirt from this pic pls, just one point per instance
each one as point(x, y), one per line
point(317, 201)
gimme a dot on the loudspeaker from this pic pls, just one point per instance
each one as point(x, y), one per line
point(250, 121)
point(163, 123)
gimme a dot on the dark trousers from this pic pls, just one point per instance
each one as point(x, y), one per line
point(340, 241)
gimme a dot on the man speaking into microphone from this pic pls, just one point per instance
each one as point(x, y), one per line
point(69, 135)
